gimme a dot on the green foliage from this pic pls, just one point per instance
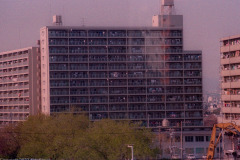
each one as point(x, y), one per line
point(109, 140)
point(68, 136)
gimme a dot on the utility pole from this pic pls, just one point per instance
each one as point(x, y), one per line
point(148, 120)
point(181, 141)
point(171, 141)
point(131, 146)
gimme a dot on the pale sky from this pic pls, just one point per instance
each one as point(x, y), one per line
point(205, 22)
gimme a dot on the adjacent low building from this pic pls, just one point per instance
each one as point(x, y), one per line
point(19, 84)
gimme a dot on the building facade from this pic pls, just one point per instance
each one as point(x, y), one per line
point(19, 85)
point(140, 74)
point(195, 140)
point(230, 76)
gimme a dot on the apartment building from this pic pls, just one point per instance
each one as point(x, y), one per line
point(230, 75)
point(19, 84)
point(140, 74)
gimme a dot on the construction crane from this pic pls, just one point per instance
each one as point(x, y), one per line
point(229, 127)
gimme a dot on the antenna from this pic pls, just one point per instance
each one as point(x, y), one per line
point(83, 21)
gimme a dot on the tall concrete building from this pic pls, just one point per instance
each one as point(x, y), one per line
point(230, 74)
point(19, 84)
point(140, 74)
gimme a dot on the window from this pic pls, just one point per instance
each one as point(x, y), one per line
point(188, 138)
point(199, 138)
point(208, 138)
point(189, 150)
point(199, 150)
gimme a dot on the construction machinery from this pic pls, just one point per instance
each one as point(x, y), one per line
point(228, 127)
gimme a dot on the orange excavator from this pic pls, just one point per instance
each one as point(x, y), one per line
point(228, 127)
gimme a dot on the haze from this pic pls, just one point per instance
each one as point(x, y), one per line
point(205, 22)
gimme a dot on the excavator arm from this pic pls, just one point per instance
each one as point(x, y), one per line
point(212, 145)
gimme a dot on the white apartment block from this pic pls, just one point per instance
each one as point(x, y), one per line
point(19, 85)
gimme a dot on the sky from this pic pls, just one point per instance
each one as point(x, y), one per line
point(205, 22)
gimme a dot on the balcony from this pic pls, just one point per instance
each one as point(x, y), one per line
point(77, 42)
point(77, 51)
point(230, 72)
point(97, 42)
point(137, 107)
point(98, 100)
point(117, 107)
point(96, 116)
point(193, 123)
point(231, 84)
point(117, 33)
point(117, 91)
point(193, 98)
point(117, 67)
point(59, 33)
point(118, 116)
point(98, 75)
point(13, 118)
point(98, 108)
point(230, 60)
point(223, 120)
point(14, 57)
point(230, 48)
point(58, 42)
point(192, 57)
point(14, 110)
point(175, 115)
point(58, 50)
point(97, 58)
point(117, 42)
point(136, 58)
point(231, 97)
point(174, 99)
point(78, 33)
point(137, 116)
point(230, 110)
point(156, 115)
point(192, 81)
point(191, 66)
point(174, 58)
point(155, 107)
point(80, 100)
point(193, 107)
point(100, 33)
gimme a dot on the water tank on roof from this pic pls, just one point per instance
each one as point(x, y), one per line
point(57, 20)
point(167, 2)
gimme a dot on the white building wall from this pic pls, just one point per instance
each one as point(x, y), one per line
point(45, 83)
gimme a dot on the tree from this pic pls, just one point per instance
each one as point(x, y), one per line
point(9, 142)
point(51, 137)
point(68, 136)
point(109, 140)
